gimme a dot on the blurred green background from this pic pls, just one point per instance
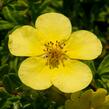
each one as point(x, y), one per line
point(92, 15)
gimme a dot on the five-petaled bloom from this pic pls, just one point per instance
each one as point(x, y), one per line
point(53, 52)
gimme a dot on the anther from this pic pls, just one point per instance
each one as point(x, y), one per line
point(45, 44)
point(50, 42)
point(56, 41)
point(46, 56)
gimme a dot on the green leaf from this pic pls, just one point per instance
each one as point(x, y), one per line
point(60, 107)
point(37, 7)
point(7, 12)
point(8, 83)
point(3, 70)
point(5, 25)
point(105, 75)
point(22, 3)
point(9, 101)
point(3, 98)
point(11, 82)
point(15, 80)
point(104, 66)
point(16, 105)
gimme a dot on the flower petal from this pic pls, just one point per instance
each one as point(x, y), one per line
point(35, 74)
point(83, 45)
point(24, 42)
point(53, 26)
point(72, 77)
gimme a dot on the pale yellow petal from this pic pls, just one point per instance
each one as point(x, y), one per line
point(72, 77)
point(35, 74)
point(24, 42)
point(83, 45)
point(53, 26)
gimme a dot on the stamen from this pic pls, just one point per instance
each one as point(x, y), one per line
point(54, 54)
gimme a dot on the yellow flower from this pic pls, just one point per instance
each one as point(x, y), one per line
point(53, 52)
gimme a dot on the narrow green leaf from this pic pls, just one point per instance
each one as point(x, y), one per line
point(7, 83)
point(5, 25)
point(7, 12)
point(104, 66)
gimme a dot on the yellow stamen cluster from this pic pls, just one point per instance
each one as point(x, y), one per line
point(54, 54)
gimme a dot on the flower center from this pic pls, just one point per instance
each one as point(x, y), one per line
point(54, 54)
